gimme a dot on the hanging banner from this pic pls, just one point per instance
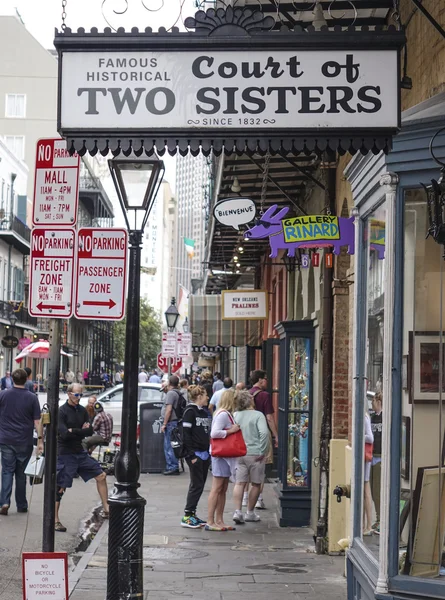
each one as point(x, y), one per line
point(244, 304)
point(310, 231)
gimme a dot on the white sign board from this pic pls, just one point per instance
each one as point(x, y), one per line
point(227, 90)
point(51, 273)
point(101, 274)
point(45, 575)
point(169, 344)
point(184, 344)
point(244, 304)
point(56, 184)
point(234, 212)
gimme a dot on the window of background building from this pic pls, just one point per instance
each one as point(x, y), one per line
point(15, 106)
point(16, 143)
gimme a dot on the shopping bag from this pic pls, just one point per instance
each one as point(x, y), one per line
point(232, 446)
point(35, 467)
point(369, 449)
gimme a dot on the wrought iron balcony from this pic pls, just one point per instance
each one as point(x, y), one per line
point(24, 319)
point(15, 232)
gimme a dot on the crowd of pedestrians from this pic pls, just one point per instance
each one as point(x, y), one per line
point(205, 415)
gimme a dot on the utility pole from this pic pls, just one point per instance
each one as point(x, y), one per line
point(49, 493)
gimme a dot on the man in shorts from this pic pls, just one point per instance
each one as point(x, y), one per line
point(73, 459)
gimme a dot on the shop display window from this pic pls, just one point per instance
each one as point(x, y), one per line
point(298, 464)
point(422, 470)
point(373, 242)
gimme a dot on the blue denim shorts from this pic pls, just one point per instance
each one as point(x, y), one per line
point(70, 464)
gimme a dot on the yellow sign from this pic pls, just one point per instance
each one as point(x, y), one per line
point(377, 232)
point(311, 228)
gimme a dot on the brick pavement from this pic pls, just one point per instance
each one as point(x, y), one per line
point(259, 559)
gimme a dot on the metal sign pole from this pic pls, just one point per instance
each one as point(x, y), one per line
point(49, 494)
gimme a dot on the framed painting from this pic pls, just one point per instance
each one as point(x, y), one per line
point(426, 366)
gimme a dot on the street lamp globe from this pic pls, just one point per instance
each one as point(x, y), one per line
point(172, 315)
point(13, 318)
point(137, 181)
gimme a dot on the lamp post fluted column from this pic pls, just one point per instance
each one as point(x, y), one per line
point(127, 507)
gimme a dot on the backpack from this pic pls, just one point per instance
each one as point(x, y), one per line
point(177, 439)
point(180, 405)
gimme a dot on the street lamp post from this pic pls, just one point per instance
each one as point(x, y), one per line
point(171, 318)
point(137, 181)
point(13, 320)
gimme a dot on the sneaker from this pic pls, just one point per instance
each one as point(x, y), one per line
point(260, 504)
point(245, 499)
point(238, 517)
point(175, 472)
point(200, 521)
point(251, 517)
point(376, 526)
point(190, 521)
point(376, 530)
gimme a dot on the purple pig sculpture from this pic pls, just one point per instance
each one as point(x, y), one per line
point(269, 225)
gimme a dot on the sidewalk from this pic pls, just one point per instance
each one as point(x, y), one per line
point(259, 560)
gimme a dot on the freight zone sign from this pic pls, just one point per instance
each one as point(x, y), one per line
point(56, 184)
point(101, 274)
point(51, 273)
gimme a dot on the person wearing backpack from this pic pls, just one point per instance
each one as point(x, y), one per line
point(196, 425)
point(171, 413)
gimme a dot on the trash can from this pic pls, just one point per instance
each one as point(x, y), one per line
point(151, 438)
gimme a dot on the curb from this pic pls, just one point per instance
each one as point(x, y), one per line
point(81, 566)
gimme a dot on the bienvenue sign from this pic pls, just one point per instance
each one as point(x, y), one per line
point(216, 89)
point(244, 304)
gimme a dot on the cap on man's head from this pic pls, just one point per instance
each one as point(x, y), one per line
point(98, 407)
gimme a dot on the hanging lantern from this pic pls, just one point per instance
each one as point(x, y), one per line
point(435, 197)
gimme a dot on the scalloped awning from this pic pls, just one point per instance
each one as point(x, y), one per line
point(287, 146)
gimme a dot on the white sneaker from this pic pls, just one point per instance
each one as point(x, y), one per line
point(238, 517)
point(245, 499)
point(252, 517)
point(260, 504)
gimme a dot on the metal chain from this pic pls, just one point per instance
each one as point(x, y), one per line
point(64, 3)
point(395, 13)
point(265, 176)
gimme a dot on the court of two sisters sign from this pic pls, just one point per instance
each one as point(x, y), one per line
point(235, 83)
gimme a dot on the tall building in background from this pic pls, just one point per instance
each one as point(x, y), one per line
point(192, 189)
point(157, 272)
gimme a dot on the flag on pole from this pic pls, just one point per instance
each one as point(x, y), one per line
point(189, 247)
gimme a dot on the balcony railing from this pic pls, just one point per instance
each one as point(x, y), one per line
point(9, 222)
point(23, 317)
point(15, 232)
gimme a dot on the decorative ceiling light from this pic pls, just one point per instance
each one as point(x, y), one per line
point(240, 249)
point(238, 264)
point(235, 185)
point(235, 258)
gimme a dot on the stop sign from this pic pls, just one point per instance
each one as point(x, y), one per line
point(176, 363)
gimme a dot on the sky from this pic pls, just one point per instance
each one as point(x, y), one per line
point(41, 17)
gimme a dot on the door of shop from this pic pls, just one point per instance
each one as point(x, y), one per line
point(271, 364)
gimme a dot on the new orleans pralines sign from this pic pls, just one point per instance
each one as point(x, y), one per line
point(209, 89)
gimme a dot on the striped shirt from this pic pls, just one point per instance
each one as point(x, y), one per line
point(103, 425)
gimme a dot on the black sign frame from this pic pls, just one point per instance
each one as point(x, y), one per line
point(240, 29)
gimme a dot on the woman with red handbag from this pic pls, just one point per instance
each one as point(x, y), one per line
point(225, 446)
point(369, 441)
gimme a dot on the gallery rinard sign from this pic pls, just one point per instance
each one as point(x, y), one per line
point(229, 90)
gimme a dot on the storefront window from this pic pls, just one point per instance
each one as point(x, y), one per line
point(374, 245)
point(298, 413)
point(422, 502)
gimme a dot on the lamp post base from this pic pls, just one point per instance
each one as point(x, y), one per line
point(125, 543)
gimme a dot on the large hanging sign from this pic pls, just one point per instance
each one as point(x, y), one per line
point(244, 305)
point(231, 75)
point(311, 231)
point(234, 212)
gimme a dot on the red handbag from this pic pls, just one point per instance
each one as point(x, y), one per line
point(369, 449)
point(232, 446)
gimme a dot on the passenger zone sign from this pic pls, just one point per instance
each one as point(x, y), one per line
point(101, 274)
